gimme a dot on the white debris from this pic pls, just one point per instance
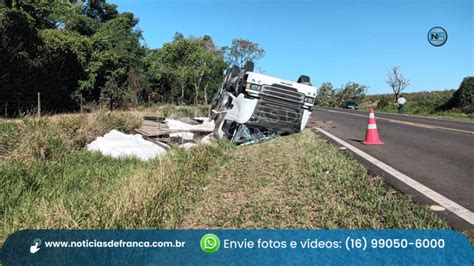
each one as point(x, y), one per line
point(188, 145)
point(437, 208)
point(188, 129)
point(119, 145)
point(208, 139)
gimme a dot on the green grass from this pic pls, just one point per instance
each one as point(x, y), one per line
point(50, 181)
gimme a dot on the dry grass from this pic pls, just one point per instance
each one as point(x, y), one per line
point(48, 138)
point(302, 182)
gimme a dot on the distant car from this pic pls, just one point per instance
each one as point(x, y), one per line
point(350, 105)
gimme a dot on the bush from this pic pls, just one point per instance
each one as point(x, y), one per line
point(351, 91)
point(383, 102)
point(465, 94)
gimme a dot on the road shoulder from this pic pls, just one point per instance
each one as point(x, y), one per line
point(392, 180)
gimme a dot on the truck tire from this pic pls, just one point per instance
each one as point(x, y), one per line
point(235, 71)
point(304, 79)
point(249, 66)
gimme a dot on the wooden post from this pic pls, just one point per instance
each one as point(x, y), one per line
point(205, 94)
point(18, 103)
point(39, 106)
point(82, 102)
point(6, 109)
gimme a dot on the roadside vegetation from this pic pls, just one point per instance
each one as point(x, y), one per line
point(429, 104)
point(49, 180)
point(82, 54)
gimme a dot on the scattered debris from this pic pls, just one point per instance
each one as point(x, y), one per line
point(119, 145)
point(207, 139)
point(175, 131)
point(188, 145)
point(155, 138)
point(437, 208)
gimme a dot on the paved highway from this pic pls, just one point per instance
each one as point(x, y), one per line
point(437, 153)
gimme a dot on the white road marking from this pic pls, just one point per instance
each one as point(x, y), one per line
point(452, 206)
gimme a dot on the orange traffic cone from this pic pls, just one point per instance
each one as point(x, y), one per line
point(372, 135)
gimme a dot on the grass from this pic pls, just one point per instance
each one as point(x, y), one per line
point(300, 181)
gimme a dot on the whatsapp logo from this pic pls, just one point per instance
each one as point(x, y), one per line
point(210, 243)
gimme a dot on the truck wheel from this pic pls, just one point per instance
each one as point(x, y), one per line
point(303, 79)
point(249, 66)
point(235, 71)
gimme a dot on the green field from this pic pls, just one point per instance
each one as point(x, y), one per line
point(300, 181)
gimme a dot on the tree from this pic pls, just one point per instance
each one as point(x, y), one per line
point(241, 51)
point(186, 70)
point(396, 81)
point(113, 91)
point(100, 10)
point(325, 95)
point(74, 50)
point(62, 59)
point(19, 49)
point(351, 91)
point(44, 14)
point(115, 46)
point(81, 24)
point(465, 95)
point(463, 98)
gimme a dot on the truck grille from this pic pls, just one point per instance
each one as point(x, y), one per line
point(279, 107)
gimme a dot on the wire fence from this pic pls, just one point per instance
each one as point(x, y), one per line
point(20, 104)
point(17, 104)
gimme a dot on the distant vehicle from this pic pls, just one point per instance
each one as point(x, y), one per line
point(350, 105)
point(250, 107)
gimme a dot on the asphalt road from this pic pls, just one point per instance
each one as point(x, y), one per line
point(437, 153)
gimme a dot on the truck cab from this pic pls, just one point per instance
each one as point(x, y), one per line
point(251, 107)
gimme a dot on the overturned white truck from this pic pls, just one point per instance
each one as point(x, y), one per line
point(250, 107)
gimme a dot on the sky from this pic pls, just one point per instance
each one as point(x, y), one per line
point(331, 41)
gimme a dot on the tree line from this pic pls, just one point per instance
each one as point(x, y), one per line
point(75, 52)
point(460, 100)
point(328, 96)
